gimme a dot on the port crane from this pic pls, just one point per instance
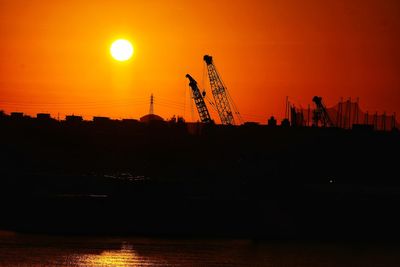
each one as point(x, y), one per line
point(199, 100)
point(221, 96)
point(321, 114)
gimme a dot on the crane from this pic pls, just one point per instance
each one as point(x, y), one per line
point(320, 113)
point(199, 101)
point(220, 94)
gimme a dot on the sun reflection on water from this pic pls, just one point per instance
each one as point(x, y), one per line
point(126, 256)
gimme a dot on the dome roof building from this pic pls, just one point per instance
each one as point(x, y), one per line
point(151, 117)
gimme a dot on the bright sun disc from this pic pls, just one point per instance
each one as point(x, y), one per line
point(121, 50)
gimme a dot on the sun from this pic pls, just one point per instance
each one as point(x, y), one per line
point(121, 50)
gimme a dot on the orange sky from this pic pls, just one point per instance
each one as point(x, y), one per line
point(54, 54)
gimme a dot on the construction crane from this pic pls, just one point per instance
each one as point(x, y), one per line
point(221, 96)
point(199, 101)
point(320, 113)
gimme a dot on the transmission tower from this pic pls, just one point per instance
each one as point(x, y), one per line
point(151, 104)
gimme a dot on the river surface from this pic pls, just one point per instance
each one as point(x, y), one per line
point(39, 250)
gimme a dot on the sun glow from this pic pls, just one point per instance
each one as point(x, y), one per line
point(121, 50)
point(126, 256)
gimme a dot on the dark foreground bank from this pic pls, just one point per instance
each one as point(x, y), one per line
point(162, 179)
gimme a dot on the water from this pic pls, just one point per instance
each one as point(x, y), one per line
point(37, 250)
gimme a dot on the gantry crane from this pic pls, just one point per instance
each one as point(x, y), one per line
point(220, 94)
point(320, 113)
point(199, 101)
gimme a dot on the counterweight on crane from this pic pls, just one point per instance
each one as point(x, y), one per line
point(220, 94)
point(199, 101)
point(320, 113)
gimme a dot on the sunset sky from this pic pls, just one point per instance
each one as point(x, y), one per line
point(54, 54)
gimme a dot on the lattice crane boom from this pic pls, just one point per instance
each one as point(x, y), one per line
point(221, 97)
point(199, 101)
point(321, 114)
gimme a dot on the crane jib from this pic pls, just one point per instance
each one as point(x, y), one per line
point(219, 92)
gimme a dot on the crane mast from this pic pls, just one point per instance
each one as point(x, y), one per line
point(199, 101)
point(321, 114)
point(219, 93)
